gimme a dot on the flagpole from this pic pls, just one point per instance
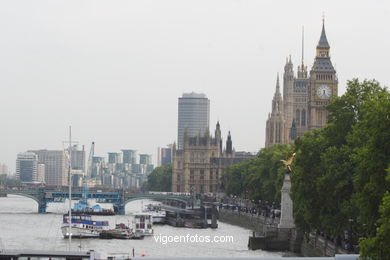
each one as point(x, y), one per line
point(70, 187)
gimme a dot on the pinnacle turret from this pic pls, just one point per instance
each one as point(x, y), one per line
point(277, 101)
point(323, 43)
point(229, 144)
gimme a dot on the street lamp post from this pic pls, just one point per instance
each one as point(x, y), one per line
point(350, 241)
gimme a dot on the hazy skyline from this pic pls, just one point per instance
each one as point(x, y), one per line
point(114, 70)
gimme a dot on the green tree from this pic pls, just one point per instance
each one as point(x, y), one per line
point(260, 178)
point(370, 143)
point(377, 247)
point(160, 179)
point(338, 167)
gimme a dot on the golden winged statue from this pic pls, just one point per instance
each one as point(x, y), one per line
point(287, 163)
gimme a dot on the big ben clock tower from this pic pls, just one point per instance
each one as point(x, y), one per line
point(323, 84)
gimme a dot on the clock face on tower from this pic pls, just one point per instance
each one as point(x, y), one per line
point(324, 91)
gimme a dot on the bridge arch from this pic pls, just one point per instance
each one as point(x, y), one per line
point(36, 199)
point(37, 196)
point(155, 197)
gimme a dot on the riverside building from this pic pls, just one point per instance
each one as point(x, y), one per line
point(198, 167)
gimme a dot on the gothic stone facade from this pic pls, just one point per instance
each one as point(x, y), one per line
point(198, 167)
point(302, 107)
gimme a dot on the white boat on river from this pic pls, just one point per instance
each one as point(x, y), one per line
point(83, 226)
point(158, 214)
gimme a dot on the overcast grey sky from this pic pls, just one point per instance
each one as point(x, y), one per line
point(115, 69)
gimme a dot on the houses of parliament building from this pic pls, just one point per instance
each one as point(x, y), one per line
point(302, 105)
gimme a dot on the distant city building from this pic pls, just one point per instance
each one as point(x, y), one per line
point(56, 166)
point(3, 169)
point(244, 155)
point(94, 182)
point(146, 166)
point(136, 168)
point(302, 106)
point(26, 167)
point(193, 116)
point(164, 155)
point(121, 170)
point(149, 168)
point(114, 158)
point(78, 158)
point(41, 173)
point(198, 167)
point(145, 159)
point(77, 178)
point(98, 165)
point(129, 156)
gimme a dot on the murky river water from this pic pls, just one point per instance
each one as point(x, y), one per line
point(21, 227)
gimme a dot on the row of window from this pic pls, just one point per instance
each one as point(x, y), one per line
point(300, 89)
point(198, 157)
point(324, 77)
point(91, 227)
point(300, 100)
point(199, 188)
point(201, 175)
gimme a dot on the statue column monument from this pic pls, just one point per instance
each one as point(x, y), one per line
point(286, 216)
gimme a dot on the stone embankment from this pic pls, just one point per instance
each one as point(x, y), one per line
point(267, 236)
point(316, 245)
point(254, 222)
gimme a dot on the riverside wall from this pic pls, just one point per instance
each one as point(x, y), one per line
point(267, 236)
point(246, 220)
point(316, 245)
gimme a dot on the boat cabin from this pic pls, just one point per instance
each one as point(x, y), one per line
point(143, 223)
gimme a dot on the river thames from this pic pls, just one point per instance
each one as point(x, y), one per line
point(21, 227)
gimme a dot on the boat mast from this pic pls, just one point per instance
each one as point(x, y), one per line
point(70, 187)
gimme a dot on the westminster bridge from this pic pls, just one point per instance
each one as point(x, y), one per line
point(119, 198)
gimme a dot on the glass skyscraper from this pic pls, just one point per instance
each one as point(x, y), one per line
point(194, 116)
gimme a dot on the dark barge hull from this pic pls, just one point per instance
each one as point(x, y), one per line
point(113, 235)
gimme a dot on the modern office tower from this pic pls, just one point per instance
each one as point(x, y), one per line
point(56, 166)
point(114, 158)
point(145, 159)
point(78, 158)
point(194, 116)
point(26, 167)
point(164, 155)
point(129, 156)
point(41, 173)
